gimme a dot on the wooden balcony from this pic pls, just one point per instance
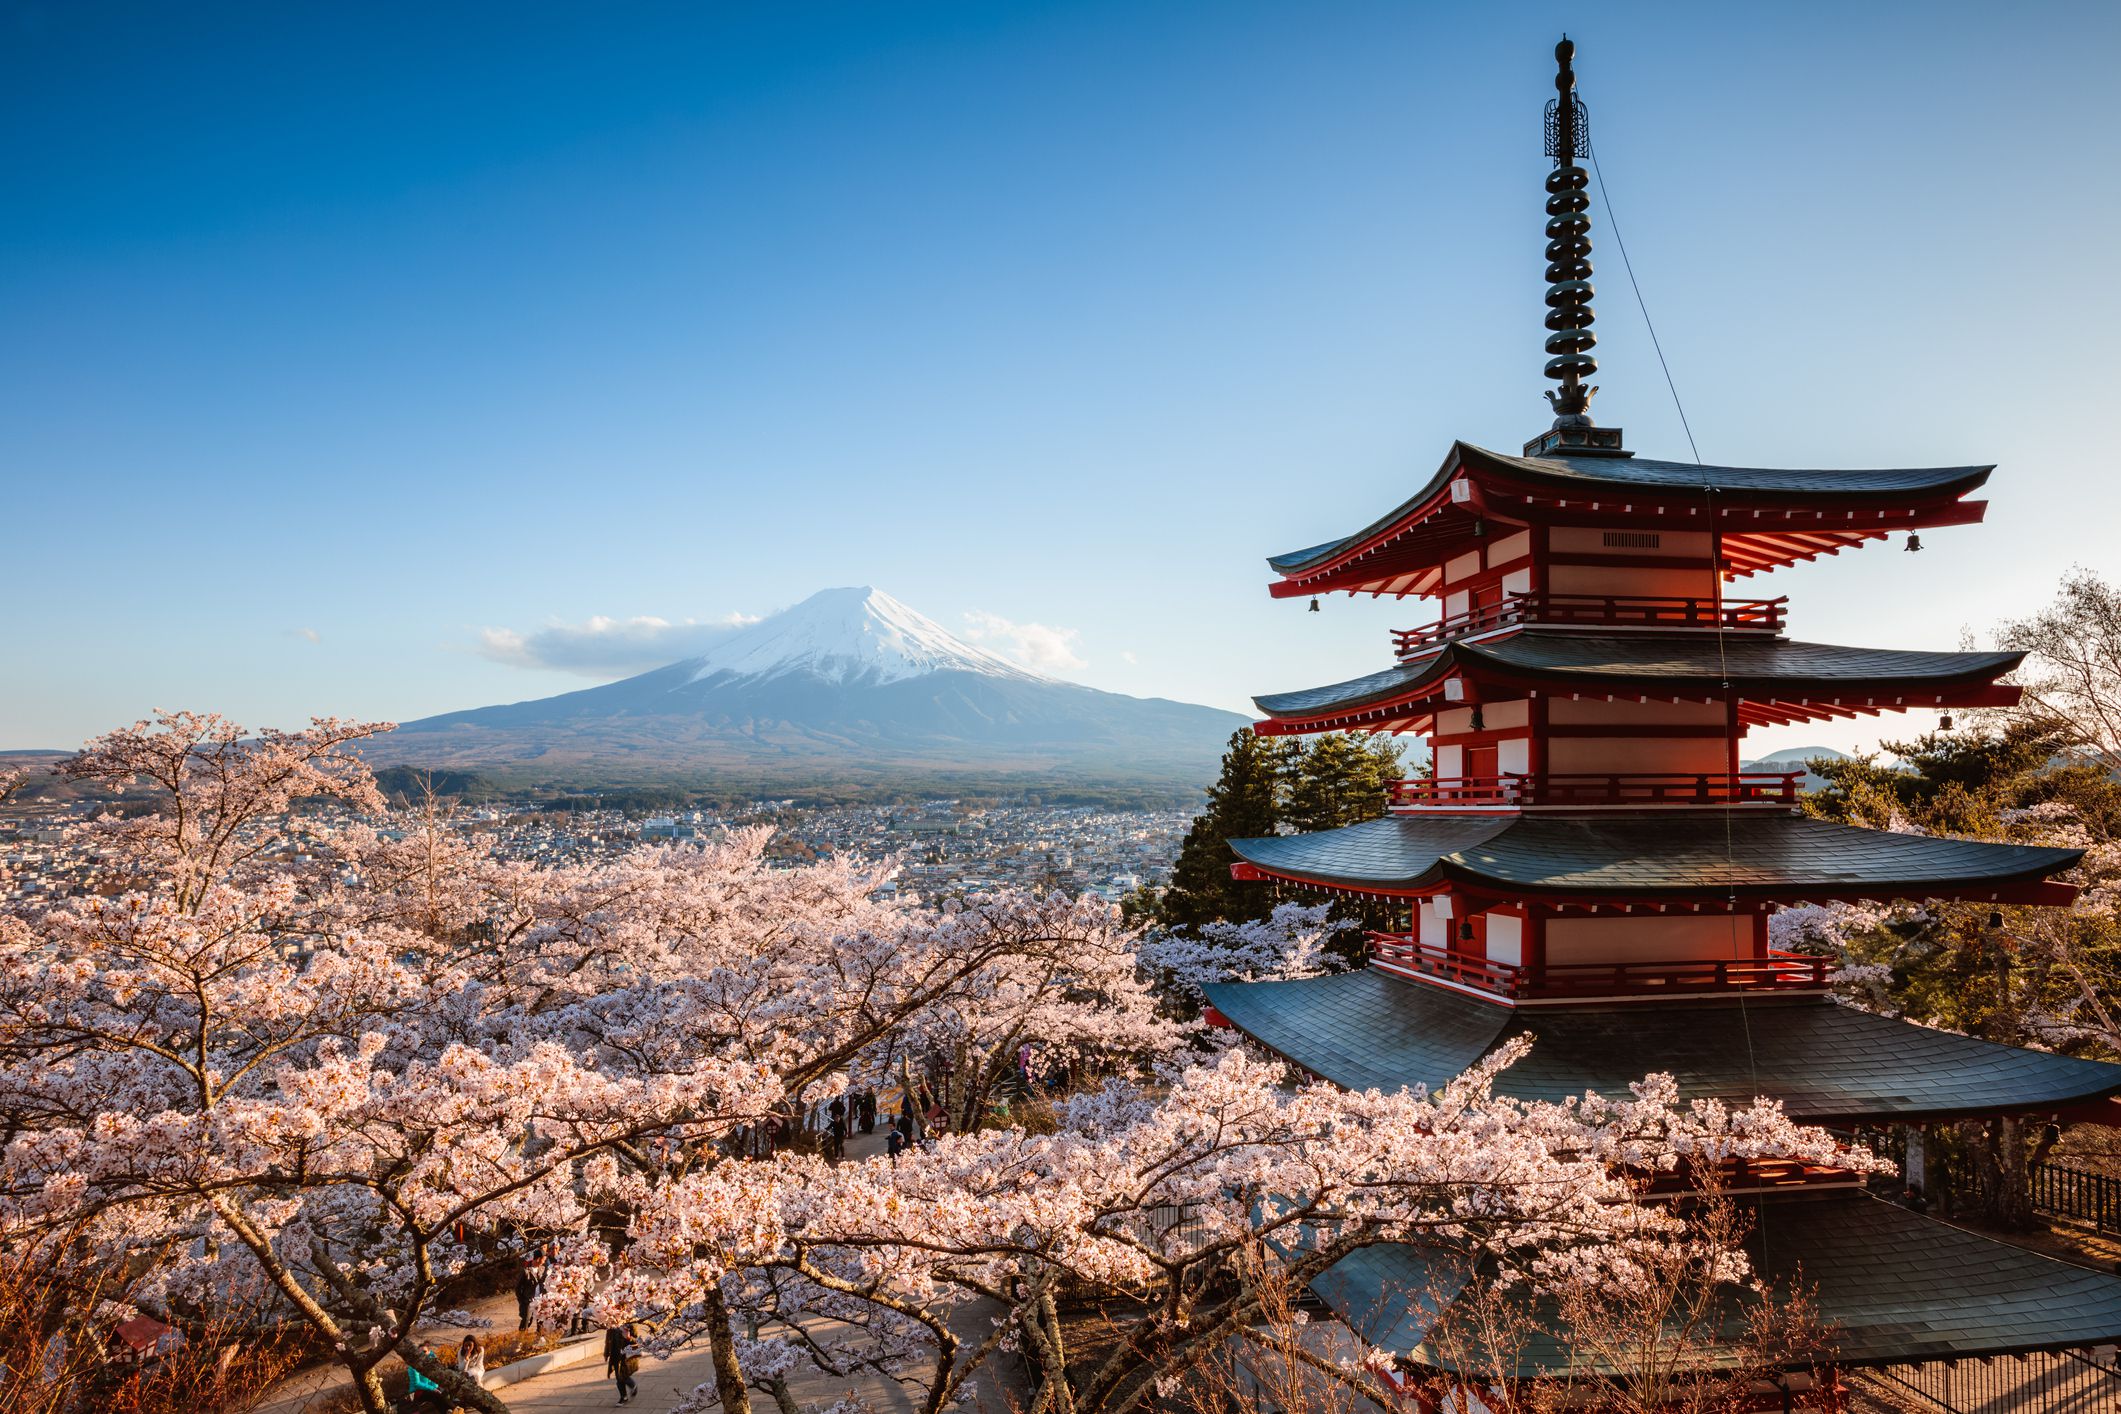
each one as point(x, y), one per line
point(1777, 972)
point(1598, 611)
point(1563, 791)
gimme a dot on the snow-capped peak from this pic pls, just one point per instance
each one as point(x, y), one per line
point(844, 635)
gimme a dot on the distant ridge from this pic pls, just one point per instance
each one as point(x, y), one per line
point(849, 687)
point(1796, 756)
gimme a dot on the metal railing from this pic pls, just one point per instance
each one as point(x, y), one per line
point(2067, 1191)
point(1562, 789)
point(1178, 1224)
point(1601, 610)
point(2038, 1382)
point(1778, 971)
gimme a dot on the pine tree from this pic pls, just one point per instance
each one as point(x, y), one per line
point(1244, 803)
point(1271, 786)
point(1340, 780)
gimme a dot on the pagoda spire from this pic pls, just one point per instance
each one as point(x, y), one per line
point(1569, 292)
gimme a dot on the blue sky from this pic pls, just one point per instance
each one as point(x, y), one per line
point(348, 348)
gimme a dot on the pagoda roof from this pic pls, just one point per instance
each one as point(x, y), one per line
point(1780, 679)
point(1652, 857)
point(1825, 1062)
point(1892, 1286)
point(1768, 516)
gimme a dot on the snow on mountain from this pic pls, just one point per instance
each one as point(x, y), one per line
point(859, 635)
point(848, 690)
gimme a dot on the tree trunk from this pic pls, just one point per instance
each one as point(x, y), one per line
point(1998, 1191)
point(728, 1373)
point(457, 1386)
point(2015, 1188)
point(368, 1387)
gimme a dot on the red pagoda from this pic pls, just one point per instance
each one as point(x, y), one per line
point(1589, 862)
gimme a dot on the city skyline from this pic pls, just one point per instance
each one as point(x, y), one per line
point(362, 369)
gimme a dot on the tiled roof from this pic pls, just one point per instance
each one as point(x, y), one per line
point(1893, 1286)
point(1672, 855)
point(1750, 666)
point(1569, 476)
point(1370, 1030)
point(1625, 473)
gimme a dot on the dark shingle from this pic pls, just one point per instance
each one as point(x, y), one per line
point(1893, 1286)
point(1369, 1030)
point(1754, 668)
point(1670, 855)
point(1571, 476)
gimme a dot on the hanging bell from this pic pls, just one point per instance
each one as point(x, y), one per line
point(1914, 543)
point(1479, 723)
point(1995, 919)
point(1465, 931)
point(1480, 529)
point(1314, 603)
point(1944, 723)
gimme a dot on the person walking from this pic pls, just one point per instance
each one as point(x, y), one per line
point(622, 1359)
point(471, 1359)
point(526, 1292)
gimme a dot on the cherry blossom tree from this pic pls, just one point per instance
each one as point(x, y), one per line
point(348, 1054)
point(1160, 1203)
point(344, 1124)
point(2072, 675)
point(1289, 942)
point(213, 785)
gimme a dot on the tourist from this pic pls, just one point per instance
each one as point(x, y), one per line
point(895, 1144)
point(471, 1359)
point(526, 1292)
point(417, 1384)
point(622, 1359)
point(836, 1139)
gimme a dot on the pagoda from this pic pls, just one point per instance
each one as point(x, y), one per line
point(1590, 864)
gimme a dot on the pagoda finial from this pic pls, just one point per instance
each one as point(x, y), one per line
point(1569, 317)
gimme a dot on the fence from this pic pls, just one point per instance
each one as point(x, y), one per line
point(2080, 1194)
point(2053, 1382)
point(1181, 1221)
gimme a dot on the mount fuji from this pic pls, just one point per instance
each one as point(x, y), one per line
point(849, 690)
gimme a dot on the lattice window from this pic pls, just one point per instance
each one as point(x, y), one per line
point(1631, 540)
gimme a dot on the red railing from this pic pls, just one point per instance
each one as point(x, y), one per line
point(1779, 971)
point(1415, 955)
point(1466, 790)
point(1607, 610)
point(1563, 789)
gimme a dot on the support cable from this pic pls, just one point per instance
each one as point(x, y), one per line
point(1605, 199)
point(1723, 658)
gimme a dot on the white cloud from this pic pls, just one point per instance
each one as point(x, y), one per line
point(309, 634)
point(1040, 646)
point(1126, 656)
point(605, 648)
